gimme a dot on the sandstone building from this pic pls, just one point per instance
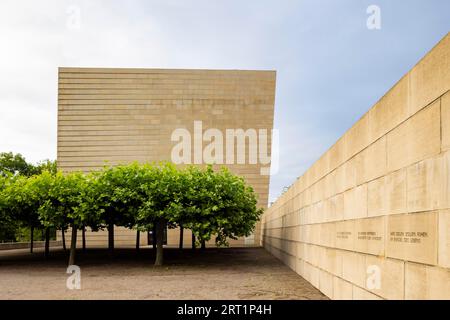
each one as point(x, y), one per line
point(124, 115)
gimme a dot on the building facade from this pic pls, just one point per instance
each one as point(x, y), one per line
point(115, 116)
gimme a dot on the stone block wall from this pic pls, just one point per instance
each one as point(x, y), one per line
point(124, 115)
point(371, 218)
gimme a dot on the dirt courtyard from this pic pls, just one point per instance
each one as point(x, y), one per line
point(231, 273)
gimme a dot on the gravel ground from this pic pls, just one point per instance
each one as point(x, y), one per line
point(244, 273)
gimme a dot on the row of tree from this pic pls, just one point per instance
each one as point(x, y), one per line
point(143, 197)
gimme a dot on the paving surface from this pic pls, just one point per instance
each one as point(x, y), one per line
point(244, 273)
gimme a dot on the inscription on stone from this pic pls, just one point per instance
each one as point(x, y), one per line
point(413, 237)
point(369, 235)
point(408, 237)
point(343, 234)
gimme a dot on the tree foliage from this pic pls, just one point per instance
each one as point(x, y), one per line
point(19, 200)
point(140, 196)
point(61, 197)
point(7, 225)
point(220, 204)
point(11, 164)
point(15, 164)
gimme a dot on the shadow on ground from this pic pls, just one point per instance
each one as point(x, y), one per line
point(226, 273)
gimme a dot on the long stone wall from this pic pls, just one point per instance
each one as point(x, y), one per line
point(371, 218)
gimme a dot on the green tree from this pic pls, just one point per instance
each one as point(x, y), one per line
point(220, 204)
point(45, 166)
point(115, 197)
point(14, 165)
point(7, 224)
point(210, 203)
point(22, 200)
point(11, 163)
point(160, 193)
point(12, 229)
point(236, 209)
point(60, 205)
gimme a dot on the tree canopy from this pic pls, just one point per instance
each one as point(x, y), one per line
point(21, 214)
point(140, 196)
point(13, 164)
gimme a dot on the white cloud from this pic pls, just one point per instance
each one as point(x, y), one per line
point(330, 67)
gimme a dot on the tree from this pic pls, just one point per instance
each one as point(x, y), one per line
point(116, 197)
point(22, 200)
point(144, 197)
point(161, 193)
point(14, 164)
point(45, 166)
point(61, 199)
point(208, 202)
point(237, 212)
point(220, 204)
point(7, 224)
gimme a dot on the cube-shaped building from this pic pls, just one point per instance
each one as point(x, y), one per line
point(114, 116)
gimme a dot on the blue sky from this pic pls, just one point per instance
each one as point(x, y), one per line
point(330, 67)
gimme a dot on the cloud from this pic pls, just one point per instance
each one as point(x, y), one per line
point(330, 68)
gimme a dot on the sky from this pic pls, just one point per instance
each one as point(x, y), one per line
point(331, 68)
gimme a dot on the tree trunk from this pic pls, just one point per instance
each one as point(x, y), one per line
point(181, 237)
point(154, 238)
point(83, 238)
point(73, 245)
point(47, 242)
point(203, 245)
point(160, 226)
point(193, 240)
point(138, 239)
point(32, 239)
point(63, 235)
point(111, 238)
